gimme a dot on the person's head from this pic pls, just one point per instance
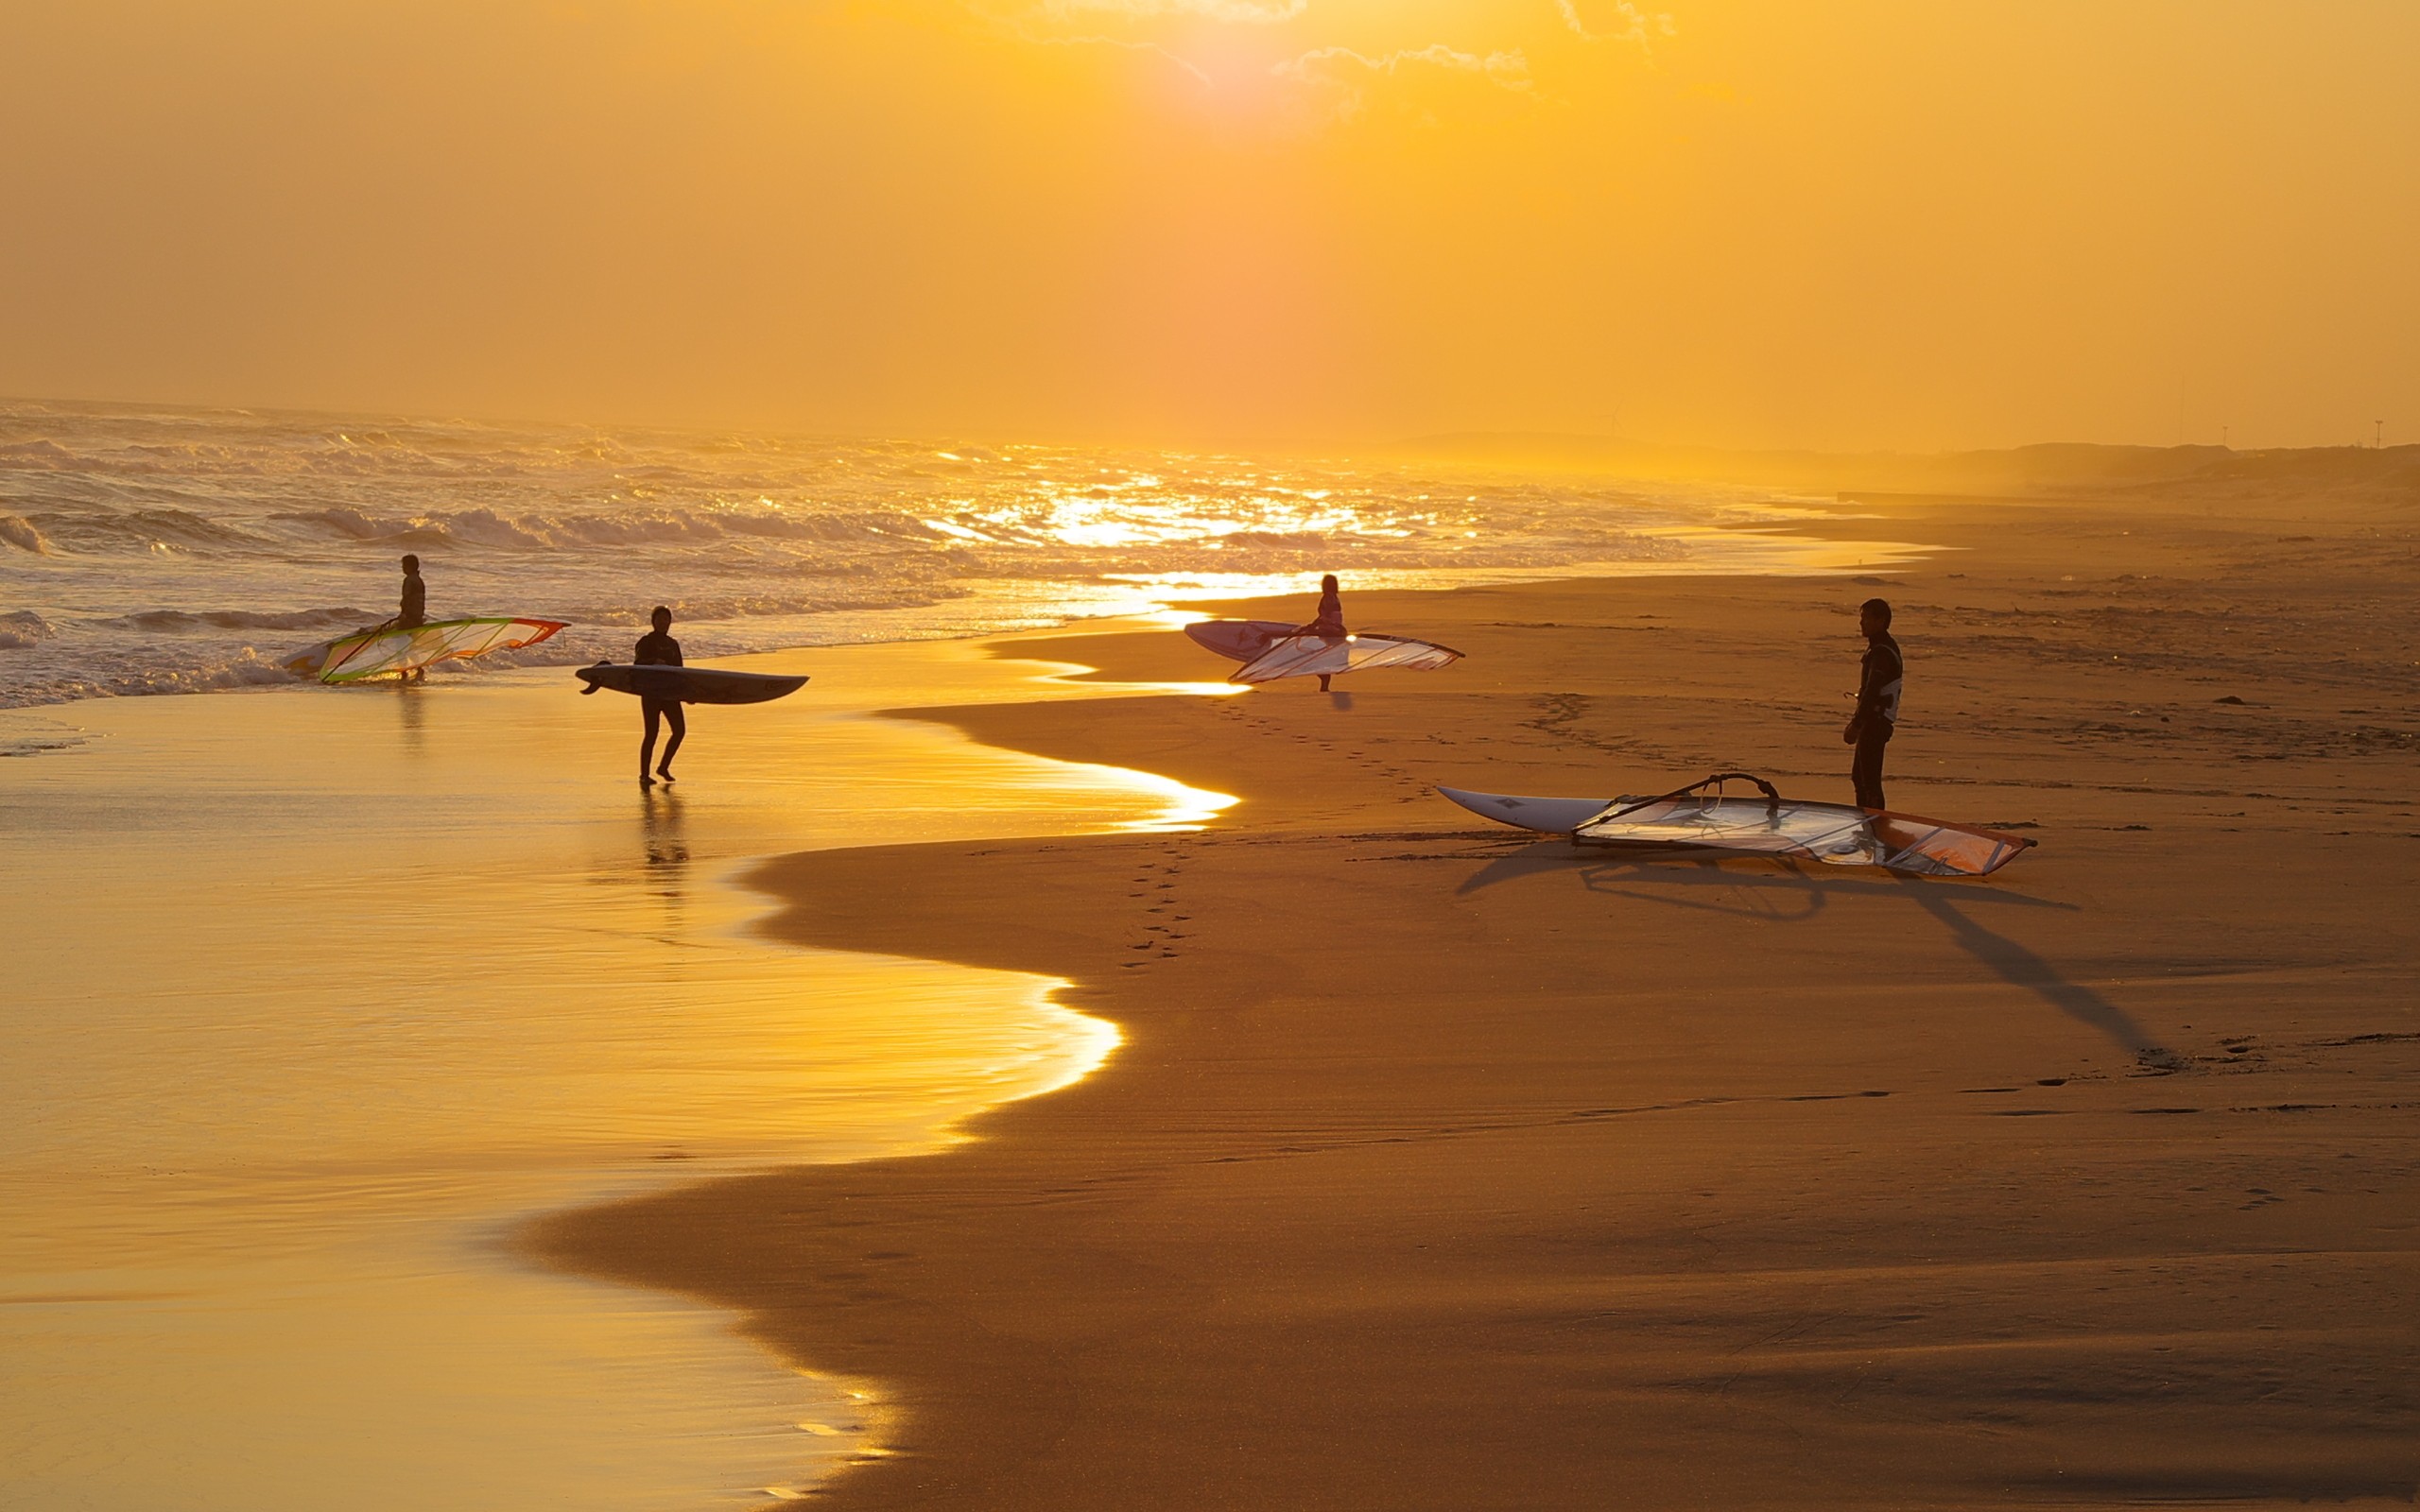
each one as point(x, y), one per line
point(411, 564)
point(1327, 584)
point(1874, 617)
point(662, 618)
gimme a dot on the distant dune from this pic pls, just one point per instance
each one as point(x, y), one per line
point(2386, 480)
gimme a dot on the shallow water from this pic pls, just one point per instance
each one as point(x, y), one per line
point(315, 994)
point(155, 550)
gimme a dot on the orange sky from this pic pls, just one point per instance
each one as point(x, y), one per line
point(1905, 223)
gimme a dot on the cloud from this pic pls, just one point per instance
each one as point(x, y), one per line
point(1338, 67)
point(1240, 13)
point(1636, 25)
point(1509, 70)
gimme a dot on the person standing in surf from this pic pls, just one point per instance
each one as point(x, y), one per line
point(413, 612)
point(1330, 620)
point(657, 648)
point(1877, 701)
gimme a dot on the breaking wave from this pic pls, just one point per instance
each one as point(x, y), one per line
point(22, 628)
point(170, 621)
point(18, 531)
point(169, 551)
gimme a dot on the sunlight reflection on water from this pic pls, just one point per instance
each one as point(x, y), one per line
point(320, 993)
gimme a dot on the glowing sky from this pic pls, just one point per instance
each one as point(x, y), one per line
point(1906, 223)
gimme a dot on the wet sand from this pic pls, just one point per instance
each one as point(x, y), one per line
point(313, 997)
point(1439, 1169)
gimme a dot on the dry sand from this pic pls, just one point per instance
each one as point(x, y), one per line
point(1441, 1170)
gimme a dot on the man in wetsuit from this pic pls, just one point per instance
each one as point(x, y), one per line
point(1329, 618)
point(413, 611)
point(657, 648)
point(1877, 701)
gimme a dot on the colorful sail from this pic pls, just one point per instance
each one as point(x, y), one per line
point(1305, 655)
point(389, 650)
point(1837, 834)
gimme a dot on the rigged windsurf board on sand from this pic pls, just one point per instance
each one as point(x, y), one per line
point(1270, 650)
point(689, 684)
point(1838, 835)
point(390, 650)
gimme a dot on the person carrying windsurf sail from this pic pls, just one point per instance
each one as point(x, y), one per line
point(657, 648)
point(1330, 619)
point(413, 612)
point(1877, 702)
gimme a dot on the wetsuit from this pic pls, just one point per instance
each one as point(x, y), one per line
point(657, 648)
point(415, 606)
point(1877, 717)
point(1330, 618)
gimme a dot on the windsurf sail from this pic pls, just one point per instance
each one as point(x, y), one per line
point(1305, 655)
point(1240, 640)
point(1836, 835)
point(387, 650)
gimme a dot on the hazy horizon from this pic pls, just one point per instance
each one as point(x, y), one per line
point(1877, 226)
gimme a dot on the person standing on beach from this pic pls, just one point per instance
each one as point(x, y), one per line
point(1877, 701)
point(413, 612)
point(657, 648)
point(1330, 620)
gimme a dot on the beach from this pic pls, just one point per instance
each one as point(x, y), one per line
point(966, 1018)
point(316, 996)
point(1441, 1168)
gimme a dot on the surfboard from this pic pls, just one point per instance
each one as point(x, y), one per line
point(688, 684)
point(1548, 815)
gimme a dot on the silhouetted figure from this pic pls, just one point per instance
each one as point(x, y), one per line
point(1877, 701)
point(657, 648)
point(1329, 620)
point(415, 606)
point(413, 612)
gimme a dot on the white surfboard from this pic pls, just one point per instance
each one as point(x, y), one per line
point(1548, 815)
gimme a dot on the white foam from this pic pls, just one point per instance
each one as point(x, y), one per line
point(154, 547)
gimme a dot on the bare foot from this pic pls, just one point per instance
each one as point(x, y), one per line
point(646, 782)
point(665, 772)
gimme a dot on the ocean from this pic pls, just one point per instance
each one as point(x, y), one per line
point(153, 550)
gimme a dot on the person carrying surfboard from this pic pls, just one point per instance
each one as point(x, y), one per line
point(1330, 619)
point(413, 612)
point(1877, 701)
point(657, 648)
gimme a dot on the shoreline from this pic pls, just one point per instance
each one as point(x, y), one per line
point(450, 972)
point(987, 608)
point(1318, 1233)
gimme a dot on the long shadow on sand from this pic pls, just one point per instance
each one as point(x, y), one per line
point(1788, 892)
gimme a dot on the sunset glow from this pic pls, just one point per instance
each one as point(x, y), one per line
point(1888, 223)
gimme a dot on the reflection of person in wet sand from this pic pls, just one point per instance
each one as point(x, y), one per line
point(413, 612)
point(1877, 702)
point(657, 648)
point(1330, 620)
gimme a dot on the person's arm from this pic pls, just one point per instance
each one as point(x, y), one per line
point(1881, 668)
point(1869, 690)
